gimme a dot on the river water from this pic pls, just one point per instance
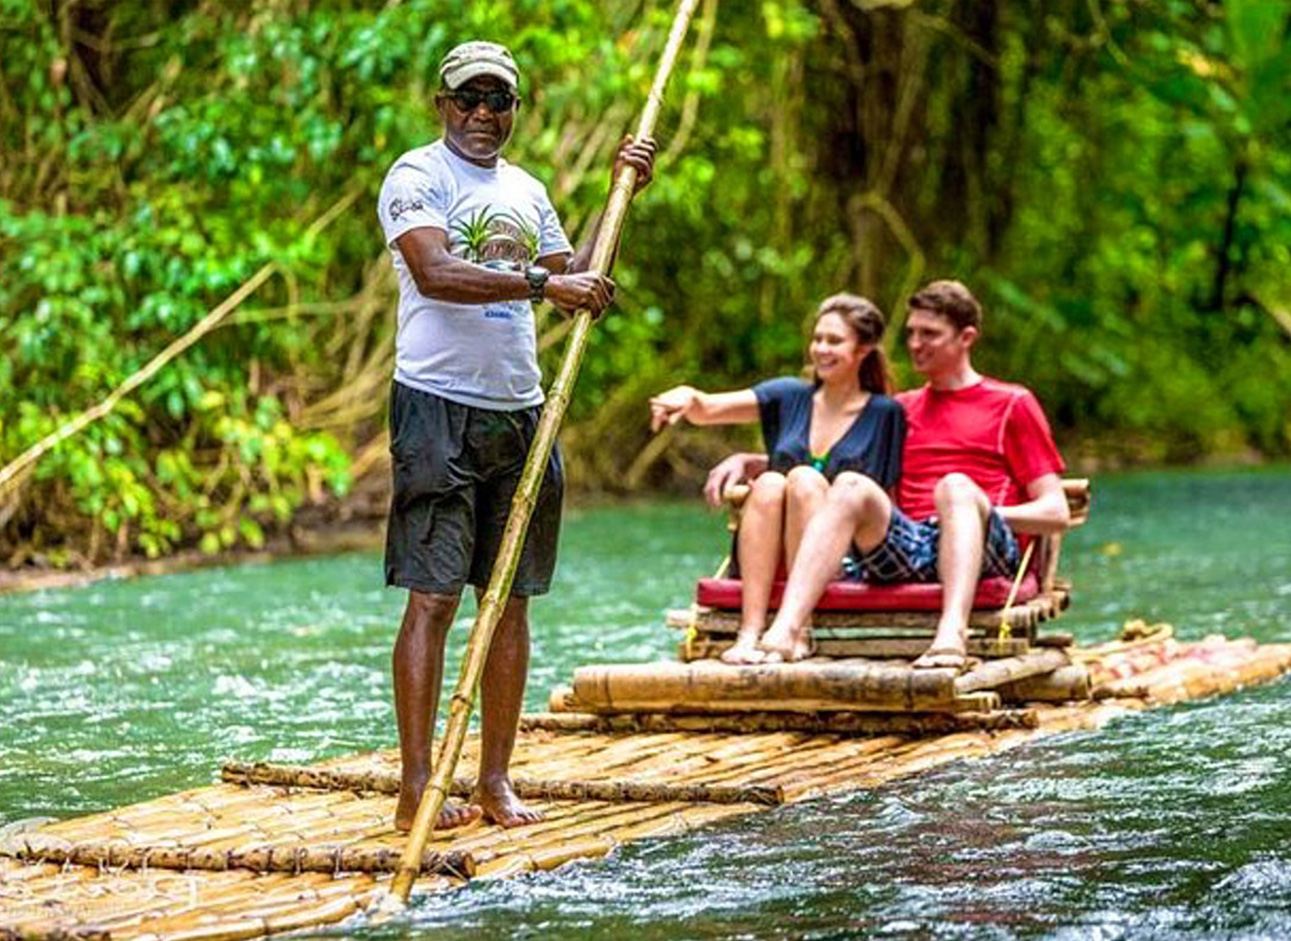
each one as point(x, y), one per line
point(1169, 824)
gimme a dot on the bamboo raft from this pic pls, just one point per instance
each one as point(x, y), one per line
point(625, 752)
point(272, 849)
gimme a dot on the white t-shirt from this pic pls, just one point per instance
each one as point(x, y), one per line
point(484, 355)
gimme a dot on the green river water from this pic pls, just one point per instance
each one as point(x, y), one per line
point(1169, 824)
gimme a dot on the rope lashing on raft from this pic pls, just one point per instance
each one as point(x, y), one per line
point(294, 859)
point(610, 791)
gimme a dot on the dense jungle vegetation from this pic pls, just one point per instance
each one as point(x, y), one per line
point(1113, 177)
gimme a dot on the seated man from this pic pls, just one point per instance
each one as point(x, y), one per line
point(979, 466)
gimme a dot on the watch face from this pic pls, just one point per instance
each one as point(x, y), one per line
point(537, 278)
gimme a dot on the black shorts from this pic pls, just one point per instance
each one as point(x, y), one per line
point(455, 470)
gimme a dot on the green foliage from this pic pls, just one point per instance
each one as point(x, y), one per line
point(1148, 234)
point(1113, 178)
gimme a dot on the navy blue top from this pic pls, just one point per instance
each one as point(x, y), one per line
point(871, 446)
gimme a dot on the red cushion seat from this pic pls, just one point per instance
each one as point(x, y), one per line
point(858, 596)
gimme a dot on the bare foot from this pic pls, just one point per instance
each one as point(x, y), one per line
point(942, 658)
point(451, 817)
point(745, 650)
point(501, 805)
point(784, 646)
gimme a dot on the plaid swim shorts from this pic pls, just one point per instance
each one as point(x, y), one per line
point(908, 552)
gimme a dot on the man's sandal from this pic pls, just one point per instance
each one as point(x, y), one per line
point(959, 658)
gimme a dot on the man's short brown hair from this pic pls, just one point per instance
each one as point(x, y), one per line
point(950, 299)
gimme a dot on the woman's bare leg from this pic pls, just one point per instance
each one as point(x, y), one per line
point(805, 492)
point(760, 540)
point(856, 511)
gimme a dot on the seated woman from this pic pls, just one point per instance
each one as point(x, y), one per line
point(843, 420)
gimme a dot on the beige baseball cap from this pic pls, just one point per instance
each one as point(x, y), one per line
point(473, 59)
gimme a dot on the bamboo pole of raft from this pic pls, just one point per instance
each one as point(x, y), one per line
point(1065, 684)
point(554, 790)
point(264, 858)
point(751, 723)
point(494, 600)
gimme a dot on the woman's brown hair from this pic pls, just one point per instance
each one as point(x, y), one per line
point(868, 323)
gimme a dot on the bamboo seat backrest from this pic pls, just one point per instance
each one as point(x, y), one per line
point(1048, 549)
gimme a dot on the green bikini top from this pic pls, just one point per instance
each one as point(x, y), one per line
point(818, 462)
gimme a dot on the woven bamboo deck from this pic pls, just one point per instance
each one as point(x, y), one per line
point(243, 860)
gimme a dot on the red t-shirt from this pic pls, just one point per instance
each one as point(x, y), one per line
point(995, 432)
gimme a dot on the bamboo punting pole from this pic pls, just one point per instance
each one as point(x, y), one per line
point(292, 858)
point(504, 566)
point(576, 790)
point(1016, 586)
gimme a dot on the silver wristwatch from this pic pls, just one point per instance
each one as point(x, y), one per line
point(537, 277)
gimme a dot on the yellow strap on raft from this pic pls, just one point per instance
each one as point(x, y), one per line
point(1006, 629)
point(692, 634)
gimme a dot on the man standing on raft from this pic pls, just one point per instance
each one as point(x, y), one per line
point(979, 466)
point(475, 243)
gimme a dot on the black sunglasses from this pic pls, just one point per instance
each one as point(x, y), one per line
point(468, 99)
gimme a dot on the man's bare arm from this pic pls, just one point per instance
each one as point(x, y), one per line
point(732, 470)
point(1046, 512)
point(443, 276)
